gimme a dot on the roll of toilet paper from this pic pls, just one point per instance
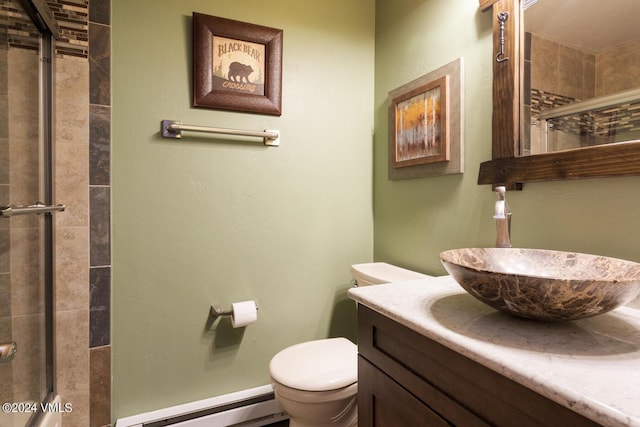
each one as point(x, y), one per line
point(244, 313)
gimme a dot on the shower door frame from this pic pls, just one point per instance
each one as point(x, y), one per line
point(47, 91)
point(45, 22)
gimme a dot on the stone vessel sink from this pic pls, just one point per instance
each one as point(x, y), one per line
point(543, 284)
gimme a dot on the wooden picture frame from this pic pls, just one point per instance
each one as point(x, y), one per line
point(421, 124)
point(453, 114)
point(236, 65)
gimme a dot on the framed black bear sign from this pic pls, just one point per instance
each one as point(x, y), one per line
point(236, 65)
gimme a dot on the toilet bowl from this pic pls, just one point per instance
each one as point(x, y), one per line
point(315, 382)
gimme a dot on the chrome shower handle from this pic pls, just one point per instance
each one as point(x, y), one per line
point(36, 208)
point(8, 352)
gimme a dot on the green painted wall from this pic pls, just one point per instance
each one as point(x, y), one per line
point(197, 222)
point(417, 219)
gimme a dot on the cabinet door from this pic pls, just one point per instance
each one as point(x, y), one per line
point(459, 389)
point(384, 403)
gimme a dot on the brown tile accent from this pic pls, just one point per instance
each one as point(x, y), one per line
point(73, 19)
point(100, 145)
point(17, 27)
point(100, 208)
point(100, 389)
point(100, 222)
point(100, 11)
point(100, 64)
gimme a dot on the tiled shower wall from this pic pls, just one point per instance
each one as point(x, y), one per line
point(561, 75)
point(82, 177)
point(618, 69)
point(22, 300)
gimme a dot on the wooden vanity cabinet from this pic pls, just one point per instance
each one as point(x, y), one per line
point(406, 379)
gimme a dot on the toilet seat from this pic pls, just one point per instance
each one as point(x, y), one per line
point(314, 397)
point(316, 366)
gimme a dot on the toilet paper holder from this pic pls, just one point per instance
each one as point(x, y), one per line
point(218, 311)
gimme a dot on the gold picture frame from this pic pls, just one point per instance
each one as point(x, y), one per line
point(425, 125)
point(421, 124)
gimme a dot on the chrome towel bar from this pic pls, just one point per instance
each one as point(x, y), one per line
point(173, 129)
point(37, 208)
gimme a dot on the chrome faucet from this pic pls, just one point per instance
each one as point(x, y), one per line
point(502, 216)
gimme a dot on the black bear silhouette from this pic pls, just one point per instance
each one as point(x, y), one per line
point(239, 71)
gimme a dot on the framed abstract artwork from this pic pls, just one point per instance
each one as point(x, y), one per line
point(421, 124)
point(425, 125)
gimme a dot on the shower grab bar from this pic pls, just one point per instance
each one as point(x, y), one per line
point(629, 96)
point(173, 129)
point(37, 208)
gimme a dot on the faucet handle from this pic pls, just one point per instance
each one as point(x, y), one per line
point(500, 210)
point(502, 215)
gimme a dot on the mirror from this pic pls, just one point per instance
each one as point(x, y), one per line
point(581, 74)
point(524, 156)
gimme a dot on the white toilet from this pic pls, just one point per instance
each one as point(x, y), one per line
point(315, 382)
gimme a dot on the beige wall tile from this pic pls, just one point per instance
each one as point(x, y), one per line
point(72, 351)
point(72, 238)
point(28, 372)
point(618, 69)
point(79, 416)
point(72, 101)
point(72, 269)
point(544, 65)
point(27, 295)
point(72, 184)
point(23, 93)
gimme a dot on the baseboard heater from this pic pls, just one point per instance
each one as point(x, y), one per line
point(247, 408)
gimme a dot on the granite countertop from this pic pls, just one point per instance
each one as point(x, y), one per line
point(591, 366)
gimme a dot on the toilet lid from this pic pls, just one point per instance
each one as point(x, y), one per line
point(321, 365)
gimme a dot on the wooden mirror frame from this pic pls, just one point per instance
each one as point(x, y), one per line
point(506, 168)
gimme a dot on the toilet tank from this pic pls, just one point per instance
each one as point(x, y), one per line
point(375, 273)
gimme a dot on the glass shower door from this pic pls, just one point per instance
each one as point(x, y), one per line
point(26, 222)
